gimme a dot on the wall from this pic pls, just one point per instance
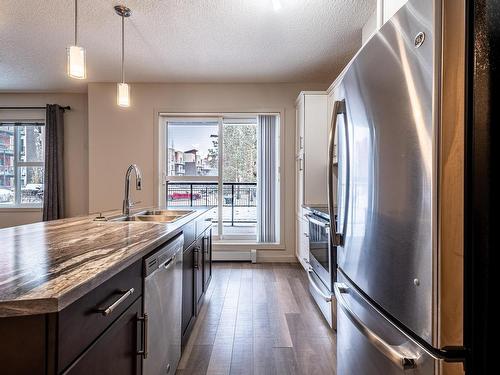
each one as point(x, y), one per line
point(130, 135)
point(75, 151)
point(369, 28)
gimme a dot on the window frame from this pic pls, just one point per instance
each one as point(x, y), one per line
point(17, 164)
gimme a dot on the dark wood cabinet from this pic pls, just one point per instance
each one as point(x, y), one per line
point(115, 351)
point(198, 272)
point(81, 338)
point(82, 322)
point(207, 259)
point(188, 306)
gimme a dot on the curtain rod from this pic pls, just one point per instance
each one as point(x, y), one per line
point(9, 108)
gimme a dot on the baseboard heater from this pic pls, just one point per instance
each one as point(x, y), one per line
point(236, 255)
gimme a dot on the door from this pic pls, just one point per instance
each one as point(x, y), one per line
point(198, 272)
point(115, 352)
point(386, 199)
point(188, 306)
point(207, 259)
point(368, 344)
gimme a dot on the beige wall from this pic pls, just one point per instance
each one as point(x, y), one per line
point(75, 150)
point(119, 137)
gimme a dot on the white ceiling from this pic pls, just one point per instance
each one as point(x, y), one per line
point(180, 41)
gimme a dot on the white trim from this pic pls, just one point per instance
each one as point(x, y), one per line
point(246, 245)
point(276, 259)
point(308, 93)
point(20, 208)
point(232, 255)
point(193, 179)
point(252, 255)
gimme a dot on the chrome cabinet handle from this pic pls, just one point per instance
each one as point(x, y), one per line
point(402, 361)
point(144, 351)
point(316, 287)
point(339, 108)
point(196, 251)
point(205, 247)
point(108, 310)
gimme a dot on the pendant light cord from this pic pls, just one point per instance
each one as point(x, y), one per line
point(76, 22)
point(123, 49)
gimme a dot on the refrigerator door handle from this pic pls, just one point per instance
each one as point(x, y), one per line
point(339, 108)
point(401, 360)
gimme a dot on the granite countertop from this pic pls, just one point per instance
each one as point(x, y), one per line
point(46, 266)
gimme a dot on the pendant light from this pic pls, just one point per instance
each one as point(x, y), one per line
point(76, 67)
point(123, 89)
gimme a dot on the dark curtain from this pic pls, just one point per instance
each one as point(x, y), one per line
point(53, 194)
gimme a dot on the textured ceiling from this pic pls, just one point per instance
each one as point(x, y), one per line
point(180, 41)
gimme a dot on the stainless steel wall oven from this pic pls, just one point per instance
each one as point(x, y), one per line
point(322, 262)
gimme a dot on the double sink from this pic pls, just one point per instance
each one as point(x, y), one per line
point(160, 216)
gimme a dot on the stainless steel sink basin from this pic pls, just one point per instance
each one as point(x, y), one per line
point(160, 216)
point(174, 213)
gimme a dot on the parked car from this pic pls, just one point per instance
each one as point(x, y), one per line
point(6, 195)
point(179, 196)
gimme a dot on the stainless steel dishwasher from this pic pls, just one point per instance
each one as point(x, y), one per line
point(163, 306)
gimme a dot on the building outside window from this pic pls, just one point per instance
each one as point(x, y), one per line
point(21, 164)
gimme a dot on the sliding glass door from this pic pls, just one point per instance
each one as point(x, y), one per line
point(239, 176)
point(215, 161)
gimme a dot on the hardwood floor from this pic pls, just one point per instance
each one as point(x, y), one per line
point(259, 319)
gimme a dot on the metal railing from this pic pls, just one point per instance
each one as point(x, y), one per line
point(234, 195)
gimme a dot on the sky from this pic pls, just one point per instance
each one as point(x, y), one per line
point(185, 137)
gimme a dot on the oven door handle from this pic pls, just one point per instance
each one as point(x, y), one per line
point(313, 220)
point(316, 287)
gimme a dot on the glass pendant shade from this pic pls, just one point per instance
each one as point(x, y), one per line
point(123, 94)
point(76, 62)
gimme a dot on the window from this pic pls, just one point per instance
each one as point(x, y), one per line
point(21, 164)
point(216, 161)
point(193, 148)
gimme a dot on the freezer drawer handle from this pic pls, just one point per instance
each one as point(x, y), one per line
point(316, 287)
point(389, 351)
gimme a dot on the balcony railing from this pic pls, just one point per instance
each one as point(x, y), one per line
point(234, 194)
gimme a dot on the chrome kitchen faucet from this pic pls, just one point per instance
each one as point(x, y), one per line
point(127, 203)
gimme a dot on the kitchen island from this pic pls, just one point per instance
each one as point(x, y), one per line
point(56, 276)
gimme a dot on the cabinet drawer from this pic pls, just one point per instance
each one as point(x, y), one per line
point(115, 352)
point(81, 323)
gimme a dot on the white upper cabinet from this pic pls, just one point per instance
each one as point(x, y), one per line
point(312, 149)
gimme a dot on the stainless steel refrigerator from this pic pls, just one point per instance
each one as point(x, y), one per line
point(397, 182)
